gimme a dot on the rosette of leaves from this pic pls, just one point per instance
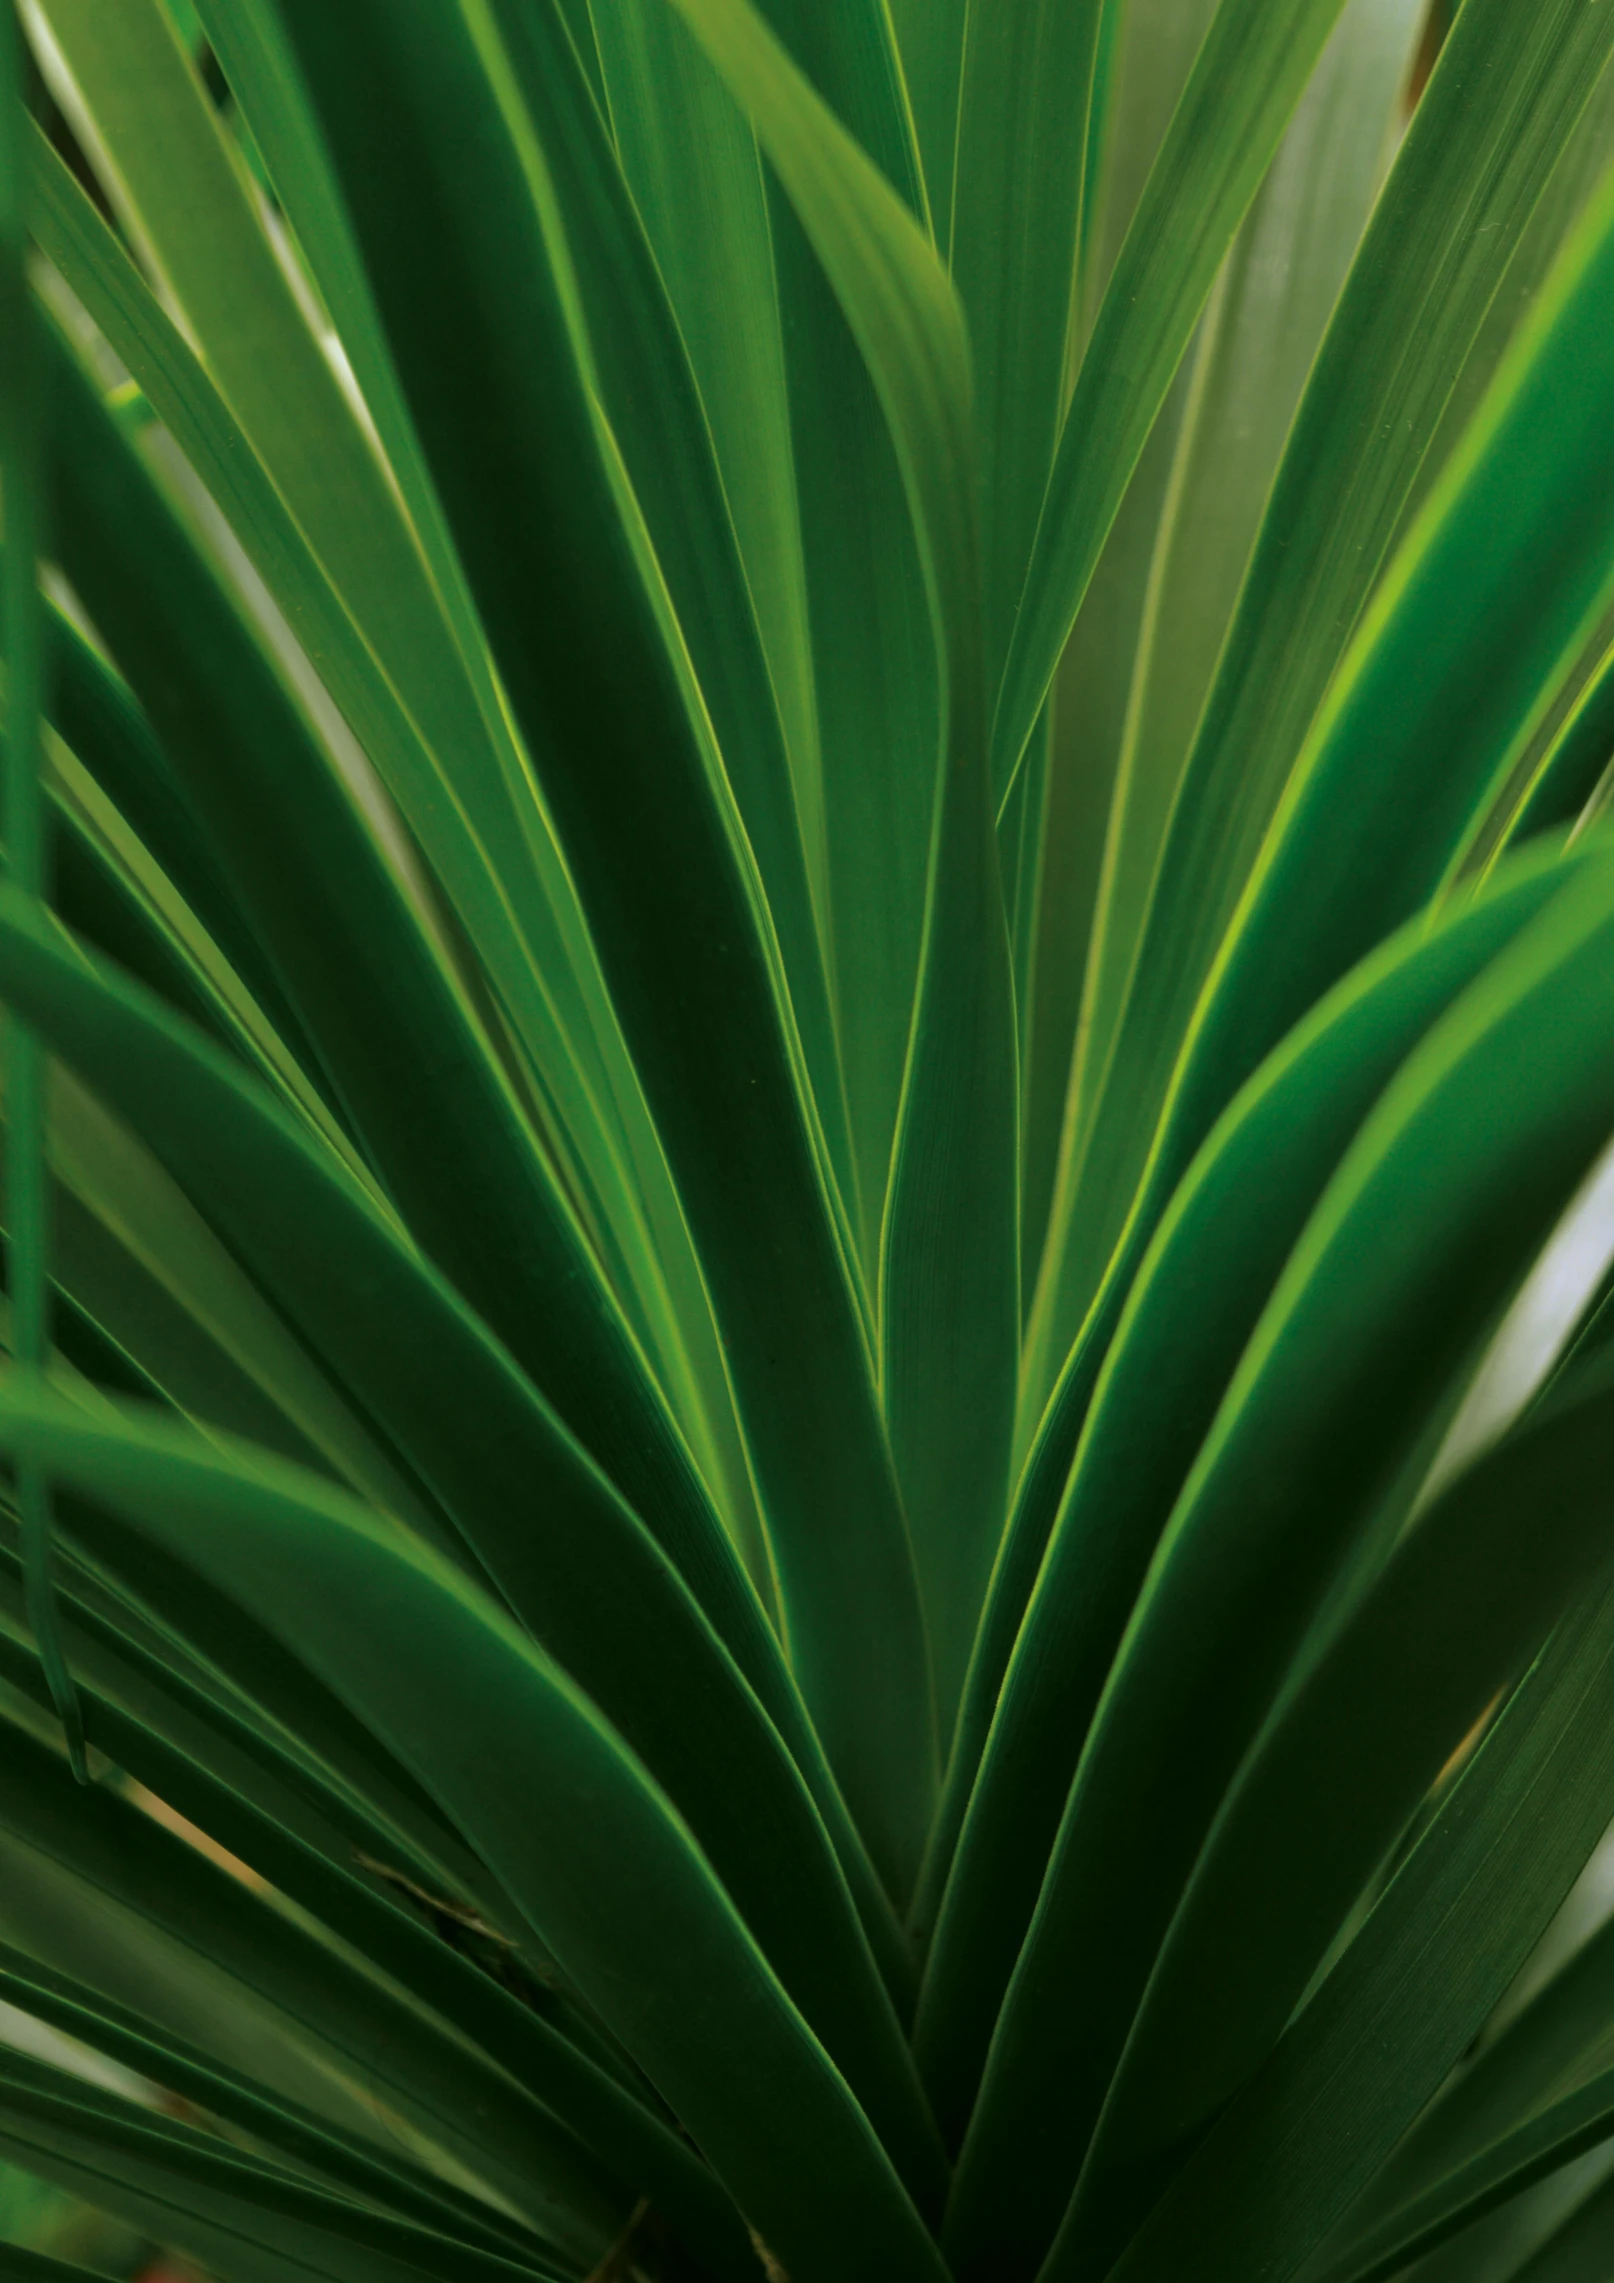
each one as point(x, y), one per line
point(810, 1035)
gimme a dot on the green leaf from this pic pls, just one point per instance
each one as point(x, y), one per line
point(1575, 2249)
point(1558, 784)
point(592, 1585)
point(187, 203)
point(690, 159)
point(1230, 1229)
point(1266, 315)
point(173, 1994)
point(1025, 85)
point(361, 968)
point(530, 930)
point(231, 2209)
point(1450, 1186)
point(668, 454)
point(663, 1957)
point(531, 496)
point(284, 1721)
point(1350, 852)
point(1516, 2072)
point(826, 1319)
point(1246, 79)
point(1573, 175)
point(950, 1298)
point(99, 721)
point(872, 636)
point(1152, 46)
point(1459, 1609)
point(1146, 50)
point(488, 844)
point(950, 1252)
point(40, 2267)
point(25, 818)
point(849, 56)
point(548, 2049)
point(1494, 118)
point(951, 1239)
point(875, 679)
point(152, 1247)
point(101, 901)
point(1581, 2121)
point(97, 714)
point(296, 2134)
point(1084, 741)
point(340, 2007)
point(148, 1674)
point(1448, 1935)
point(1511, 515)
point(930, 46)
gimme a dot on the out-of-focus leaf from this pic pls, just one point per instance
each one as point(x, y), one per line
point(337, 2005)
point(1554, 2035)
point(1266, 315)
point(1493, 121)
point(658, 1954)
point(299, 2137)
point(1568, 2128)
point(239, 2211)
point(1152, 46)
point(1441, 1946)
point(1245, 81)
point(930, 45)
point(1461, 1607)
point(1084, 741)
point(187, 204)
point(1025, 87)
point(1351, 852)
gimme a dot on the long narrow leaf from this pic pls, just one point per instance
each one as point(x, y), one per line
point(1447, 1937)
point(1356, 1346)
point(664, 1957)
point(532, 498)
point(1226, 1238)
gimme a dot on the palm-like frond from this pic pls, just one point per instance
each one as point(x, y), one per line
point(808, 1060)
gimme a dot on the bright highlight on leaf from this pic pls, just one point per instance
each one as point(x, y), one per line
point(808, 958)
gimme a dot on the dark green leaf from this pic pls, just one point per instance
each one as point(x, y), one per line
point(1449, 1934)
point(447, 188)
